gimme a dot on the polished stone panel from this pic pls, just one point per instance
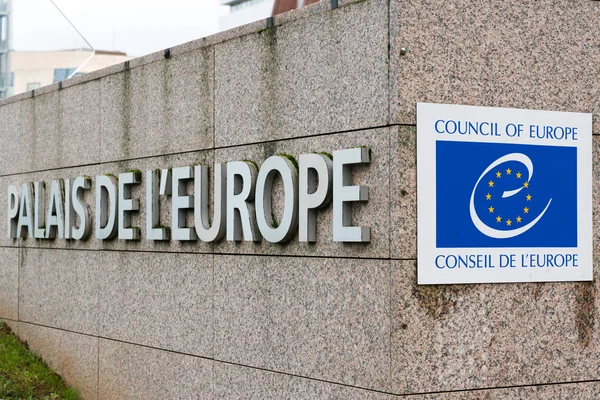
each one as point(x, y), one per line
point(59, 288)
point(9, 283)
point(324, 73)
point(493, 335)
point(583, 390)
point(321, 318)
point(60, 128)
point(520, 54)
point(134, 372)
point(238, 382)
point(73, 356)
point(158, 299)
point(159, 108)
point(403, 193)
point(12, 137)
point(79, 128)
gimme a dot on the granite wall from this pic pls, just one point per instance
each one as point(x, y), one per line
point(145, 320)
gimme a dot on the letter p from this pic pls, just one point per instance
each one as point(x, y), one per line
point(12, 211)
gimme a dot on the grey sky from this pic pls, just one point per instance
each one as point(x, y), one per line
point(137, 27)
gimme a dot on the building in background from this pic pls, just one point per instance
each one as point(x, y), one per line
point(21, 71)
point(245, 11)
point(33, 69)
point(5, 83)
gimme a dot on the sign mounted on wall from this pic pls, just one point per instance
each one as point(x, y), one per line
point(242, 205)
point(504, 195)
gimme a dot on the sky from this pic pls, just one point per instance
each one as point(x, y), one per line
point(136, 27)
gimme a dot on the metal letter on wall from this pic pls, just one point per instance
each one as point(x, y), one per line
point(106, 207)
point(313, 168)
point(39, 210)
point(55, 222)
point(25, 212)
point(12, 212)
point(127, 205)
point(207, 232)
point(344, 194)
point(153, 231)
point(241, 218)
point(181, 203)
point(82, 210)
point(264, 203)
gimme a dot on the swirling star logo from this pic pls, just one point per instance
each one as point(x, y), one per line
point(502, 221)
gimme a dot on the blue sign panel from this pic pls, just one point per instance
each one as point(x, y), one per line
point(505, 195)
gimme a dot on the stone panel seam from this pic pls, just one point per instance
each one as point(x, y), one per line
point(323, 380)
point(214, 97)
point(220, 254)
point(100, 90)
point(98, 369)
point(328, 257)
point(202, 150)
point(389, 63)
point(390, 233)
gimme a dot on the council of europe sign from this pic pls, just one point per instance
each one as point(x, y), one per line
point(504, 195)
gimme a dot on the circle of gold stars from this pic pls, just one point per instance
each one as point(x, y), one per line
point(528, 197)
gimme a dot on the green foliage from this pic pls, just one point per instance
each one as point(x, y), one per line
point(253, 163)
point(291, 158)
point(23, 375)
point(137, 173)
point(328, 155)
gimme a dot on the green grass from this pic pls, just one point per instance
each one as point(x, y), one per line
point(23, 375)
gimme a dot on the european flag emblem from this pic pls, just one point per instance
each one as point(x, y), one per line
point(505, 195)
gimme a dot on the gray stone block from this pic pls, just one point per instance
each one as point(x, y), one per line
point(584, 390)
point(373, 214)
point(481, 336)
point(135, 372)
point(58, 288)
point(239, 382)
point(73, 356)
point(40, 131)
point(320, 318)
point(79, 125)
point(403, 193)
point(534, 55)
point(324, 73)
point(159, 108)
point(61, 128)
point(158, 300)
point(9, 283)
point(12, 137)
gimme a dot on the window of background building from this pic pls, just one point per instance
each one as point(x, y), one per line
point(60, 74)
point(33, 85)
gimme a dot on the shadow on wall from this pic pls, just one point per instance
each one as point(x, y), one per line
point(282, 6)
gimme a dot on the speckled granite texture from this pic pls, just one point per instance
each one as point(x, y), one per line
point(170, 320)
point(524, 54)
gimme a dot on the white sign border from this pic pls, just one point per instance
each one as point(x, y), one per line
point(428, 113)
